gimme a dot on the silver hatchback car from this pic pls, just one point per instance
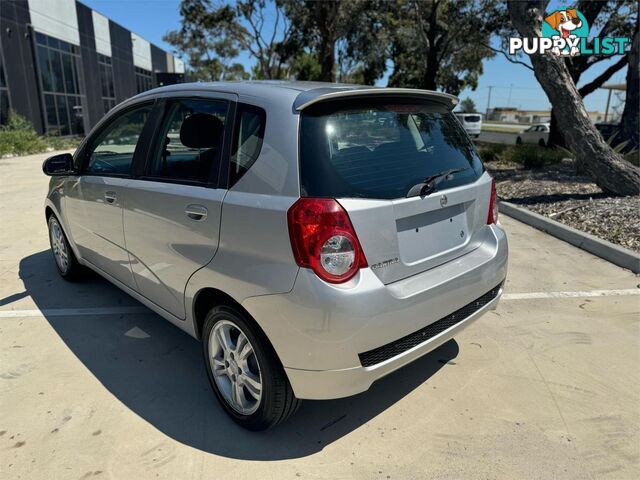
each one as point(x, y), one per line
point(315, 237)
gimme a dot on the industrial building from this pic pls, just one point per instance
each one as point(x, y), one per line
point(64, 65)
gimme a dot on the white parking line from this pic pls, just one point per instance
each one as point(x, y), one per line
point(76, 312)
point(588, 293)
point(73, 312)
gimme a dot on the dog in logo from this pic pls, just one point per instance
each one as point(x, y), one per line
point(565, 22)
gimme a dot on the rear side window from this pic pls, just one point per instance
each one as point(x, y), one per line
point(248, 139)
point(189, 145)
point(381, 148)
point(111, 153)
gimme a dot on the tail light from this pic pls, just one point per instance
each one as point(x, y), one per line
point(493, 205)
point(323, 239)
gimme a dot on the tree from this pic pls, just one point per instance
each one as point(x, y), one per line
point(265, 45)
point(630, 126)
point(211, 35)
point(594, 156)
point(438, 43)
point(305, 66)
point(317, 25)
point(467, 106)
point(202, 39)
point(429, 43)
point(608, 18)
point(364, 52)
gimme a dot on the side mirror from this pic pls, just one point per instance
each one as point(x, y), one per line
point(58, 165)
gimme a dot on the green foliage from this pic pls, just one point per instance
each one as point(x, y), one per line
point(305, 66)
point(532, 156)
point(18, 137)
point(204, 40)
point(441, 45)
point(633, 157)
point(62, 143)
point(468, 106)
point(430, 44)
point(490, 152)
point(529, 156)
point(211, 36)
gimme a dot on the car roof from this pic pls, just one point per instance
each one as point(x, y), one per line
point(300, 94)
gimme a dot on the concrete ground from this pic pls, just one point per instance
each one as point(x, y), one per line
point(547, 386)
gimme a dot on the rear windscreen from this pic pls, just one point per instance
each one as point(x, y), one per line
point(381, 148)
point(471, 118)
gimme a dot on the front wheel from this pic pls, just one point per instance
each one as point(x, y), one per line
point(244, 370)
point(66, 261)
point(518, 141)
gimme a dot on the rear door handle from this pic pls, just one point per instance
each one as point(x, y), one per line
point(110, 197)
point(196, 212)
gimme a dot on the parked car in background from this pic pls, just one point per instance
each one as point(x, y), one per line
point(471, 122)
point(537, 134)
point(314, 237)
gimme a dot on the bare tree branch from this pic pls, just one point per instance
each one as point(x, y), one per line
point(603, 77)
point(508, 57)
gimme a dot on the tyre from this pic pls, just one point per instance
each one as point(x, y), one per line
point(244, 370)
point(518, 141)
point(65, 259)
point(541, 143)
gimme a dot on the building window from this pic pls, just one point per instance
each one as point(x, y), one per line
point(4, 95)
point(59, 68)
point(144, 80)
point(106, 80)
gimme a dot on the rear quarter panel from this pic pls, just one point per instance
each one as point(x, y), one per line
point(254, 255)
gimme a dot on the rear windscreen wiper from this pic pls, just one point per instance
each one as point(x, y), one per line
point(430, 184)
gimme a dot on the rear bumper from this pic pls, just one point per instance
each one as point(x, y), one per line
point(319, 330)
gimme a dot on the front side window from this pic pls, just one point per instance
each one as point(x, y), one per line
point(111, 153)
point(247, 143)
point(381, 148)
point(189, 146)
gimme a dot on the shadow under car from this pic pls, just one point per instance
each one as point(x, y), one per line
point(157, 371)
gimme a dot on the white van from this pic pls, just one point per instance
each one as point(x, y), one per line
point(472, 123)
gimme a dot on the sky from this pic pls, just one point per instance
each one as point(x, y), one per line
point(512, 85)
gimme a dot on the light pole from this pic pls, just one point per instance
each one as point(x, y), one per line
point(488, 102)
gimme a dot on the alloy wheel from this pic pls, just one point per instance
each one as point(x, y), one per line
point(235, 367)
point(59, 245)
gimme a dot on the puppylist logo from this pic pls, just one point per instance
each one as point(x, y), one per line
point(565, 33)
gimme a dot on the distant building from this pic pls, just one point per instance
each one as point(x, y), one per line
point(514, 115)
point(501, 114)
point(534, 116)
point(64, 65)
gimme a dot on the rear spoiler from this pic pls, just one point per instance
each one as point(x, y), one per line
point(317, 95)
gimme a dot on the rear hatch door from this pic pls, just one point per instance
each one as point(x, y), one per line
point(369, 153)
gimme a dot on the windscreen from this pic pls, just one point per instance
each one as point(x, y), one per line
point(380, 149)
